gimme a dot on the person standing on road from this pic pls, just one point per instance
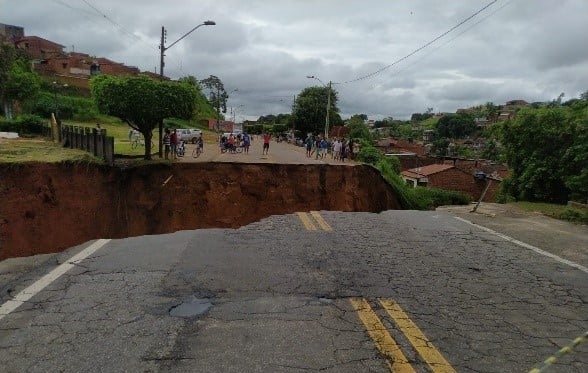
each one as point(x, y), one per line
point(336, 149)
point(309, 142)
point(246, 142)
point(266, 142)
point(324, 146)
point(166, 143)
point(343, 153)
point(317, 147)
point(173, 139)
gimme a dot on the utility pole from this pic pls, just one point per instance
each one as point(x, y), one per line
point(162, 49)
point(328, 109)
point(217, 108)
point(162, 53)
point(294, 122)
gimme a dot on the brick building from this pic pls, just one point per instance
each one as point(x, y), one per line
point(9, 33)
point(50, 59)
point(38, 48)
point(451, 177)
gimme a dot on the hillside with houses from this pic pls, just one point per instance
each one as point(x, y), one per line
point(50, 59)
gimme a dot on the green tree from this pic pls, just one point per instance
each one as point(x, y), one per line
point(17, 80)
point(22, 85)
point(357, 127)
point(217, 96)
point(143, 103)
point(456, 126)
point(267, 119)
point(547, 152)
point(203, 108)
point(491, 110)
point(310, 110)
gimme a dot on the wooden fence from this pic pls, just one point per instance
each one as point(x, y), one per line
point(91, 140)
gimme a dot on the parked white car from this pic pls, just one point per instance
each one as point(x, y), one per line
point(189, 135)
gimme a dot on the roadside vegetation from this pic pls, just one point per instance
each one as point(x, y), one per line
point(562, 212)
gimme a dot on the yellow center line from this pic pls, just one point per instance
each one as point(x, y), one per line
point(416, 337)
point(321, 222)
point(396, 360)
point(306, 221)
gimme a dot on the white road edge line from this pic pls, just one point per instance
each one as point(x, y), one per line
point(527, 246)
point(41, 283)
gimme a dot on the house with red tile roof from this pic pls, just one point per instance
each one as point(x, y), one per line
point(450, 177)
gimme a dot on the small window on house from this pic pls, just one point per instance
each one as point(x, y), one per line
point(64, 65)
point(27, 45)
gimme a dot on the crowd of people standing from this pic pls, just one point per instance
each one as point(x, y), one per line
point(316, 146)
point(319, 147)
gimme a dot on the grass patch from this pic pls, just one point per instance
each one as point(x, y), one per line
point(562, 212)
point(39, 150)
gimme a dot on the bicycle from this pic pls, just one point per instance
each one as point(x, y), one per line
point(139, 141)
point(197, 152)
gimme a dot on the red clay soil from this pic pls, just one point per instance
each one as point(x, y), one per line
point(49, 207)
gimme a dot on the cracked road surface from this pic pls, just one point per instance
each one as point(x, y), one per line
point(275, 296)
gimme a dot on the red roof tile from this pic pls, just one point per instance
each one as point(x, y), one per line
point(426, 170)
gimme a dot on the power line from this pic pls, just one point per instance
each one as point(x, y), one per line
point(88, 15)
point(453, 38)
point(422, 47)
point(115, 24)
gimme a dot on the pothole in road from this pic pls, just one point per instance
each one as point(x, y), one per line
point(191, 308)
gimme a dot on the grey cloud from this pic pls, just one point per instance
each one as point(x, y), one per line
point(515, 49)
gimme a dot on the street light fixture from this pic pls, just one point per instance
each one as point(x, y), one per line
point(163, 48)
point(328, 103)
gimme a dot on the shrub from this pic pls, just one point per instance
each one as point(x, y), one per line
point(24, 124)
point(430, 198)
point(407, 200)
point(69, 107)
point(574, 215)
point(370, 155)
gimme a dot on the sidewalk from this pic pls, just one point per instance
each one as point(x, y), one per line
point(561, 238)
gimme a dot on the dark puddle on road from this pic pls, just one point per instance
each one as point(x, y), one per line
point(191, 308)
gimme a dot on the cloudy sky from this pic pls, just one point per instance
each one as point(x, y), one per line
point(372, 50)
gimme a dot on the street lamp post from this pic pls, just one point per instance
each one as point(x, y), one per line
point(162, 49)
point(234, 111)
point(328, 103)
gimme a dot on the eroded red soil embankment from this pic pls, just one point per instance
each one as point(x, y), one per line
point(49, 207)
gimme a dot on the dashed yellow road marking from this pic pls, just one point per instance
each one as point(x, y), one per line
point(396, 360)
point(416, 337)
point(321, 222)
point(306, 221)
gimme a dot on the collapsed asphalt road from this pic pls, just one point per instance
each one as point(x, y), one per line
point(323, 291)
